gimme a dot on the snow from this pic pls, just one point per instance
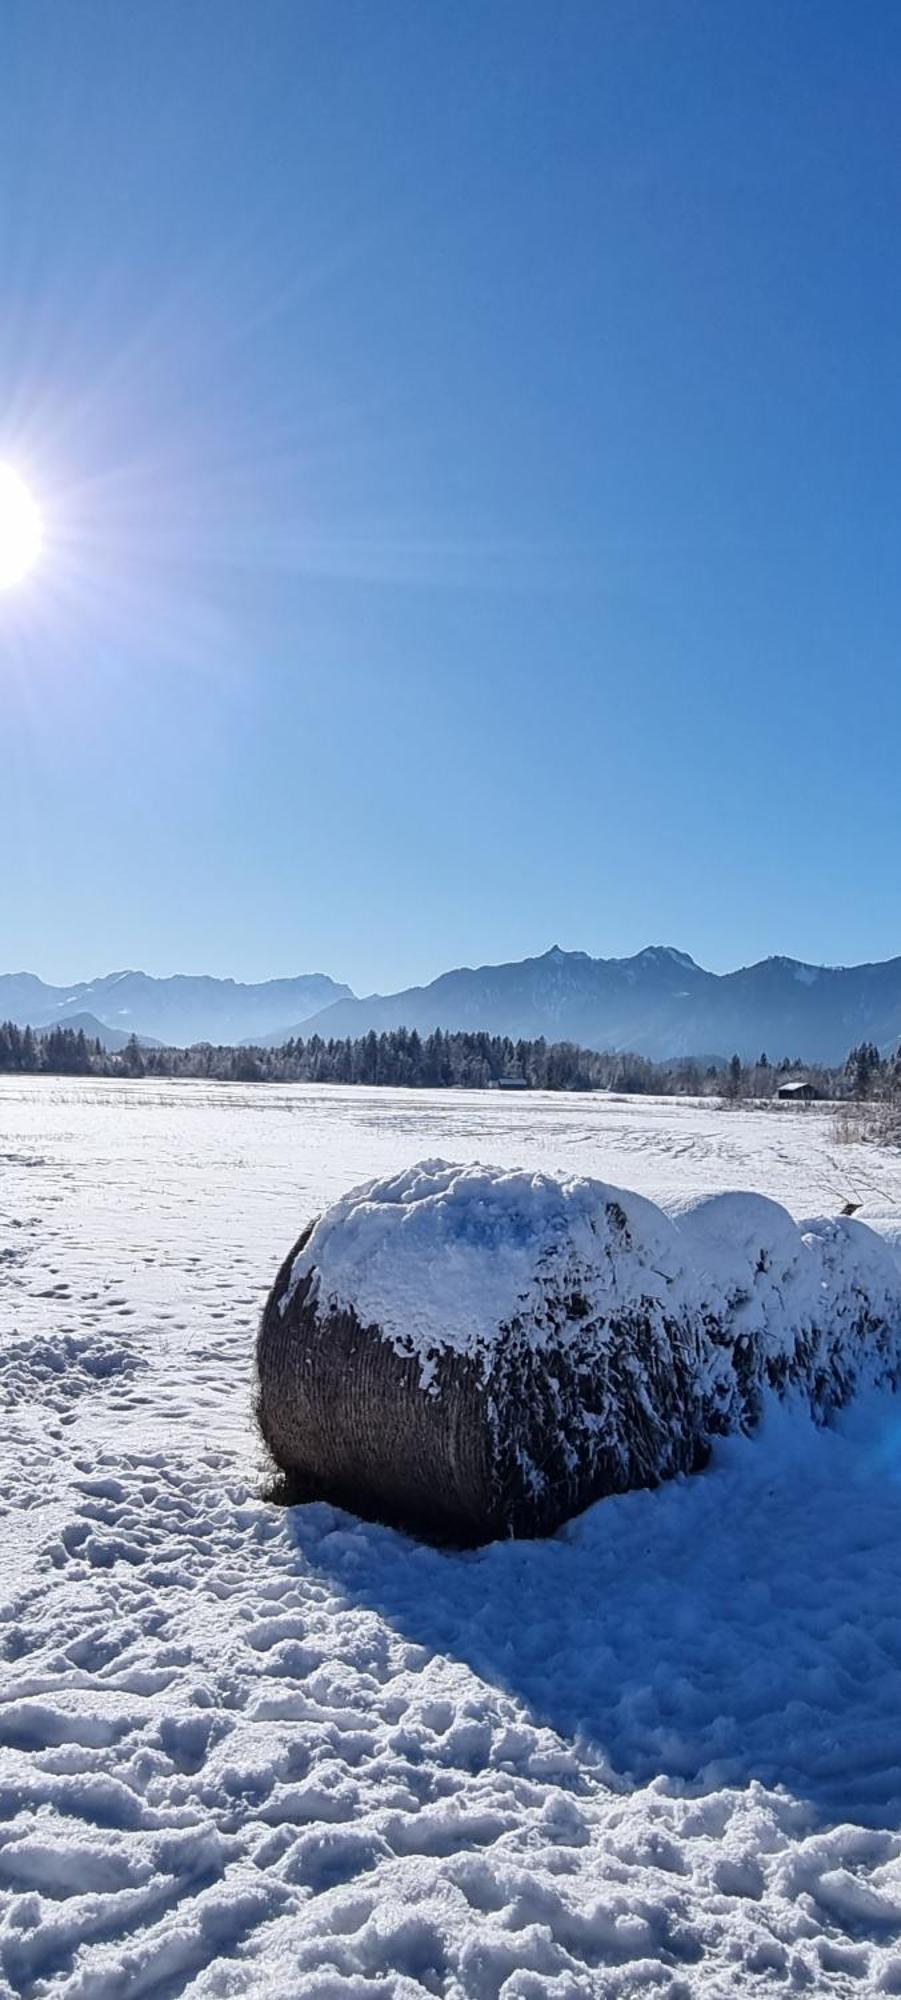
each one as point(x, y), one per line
point(762, 1274)
point(245, 1751)
point(447, 1258)
point(667, 952)
point(441, 1257)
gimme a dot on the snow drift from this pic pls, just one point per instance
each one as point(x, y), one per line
point(471, 1352)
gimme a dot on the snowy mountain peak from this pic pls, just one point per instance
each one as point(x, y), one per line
point(658, 954)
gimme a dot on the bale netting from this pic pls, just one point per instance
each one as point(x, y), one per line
point(468, 1352)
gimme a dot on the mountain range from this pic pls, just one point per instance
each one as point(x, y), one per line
point(659, 1003)
point(176, 1011)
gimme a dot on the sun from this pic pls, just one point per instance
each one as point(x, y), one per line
point(21, 529)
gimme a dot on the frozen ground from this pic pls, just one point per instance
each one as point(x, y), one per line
point(251, 1752)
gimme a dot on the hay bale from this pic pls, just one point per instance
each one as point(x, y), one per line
point(473, 1353)
point(470, 1353)
point(810, 1309)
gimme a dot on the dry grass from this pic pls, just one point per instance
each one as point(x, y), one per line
point(876, 1123)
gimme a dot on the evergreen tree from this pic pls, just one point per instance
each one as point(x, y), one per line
point(734, 1079)
point(132, 1058)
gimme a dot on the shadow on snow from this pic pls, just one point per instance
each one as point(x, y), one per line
point(743, 1624)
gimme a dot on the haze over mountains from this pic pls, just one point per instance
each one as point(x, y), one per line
point(658, 1003)
point(177, 1011)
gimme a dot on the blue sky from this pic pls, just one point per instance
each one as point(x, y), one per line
point(470, 442)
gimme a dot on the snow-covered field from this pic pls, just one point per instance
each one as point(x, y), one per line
point(249, 1751)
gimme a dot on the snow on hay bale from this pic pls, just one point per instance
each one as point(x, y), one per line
point(476, 1352)
point(472, 1352)
point(812, 1307)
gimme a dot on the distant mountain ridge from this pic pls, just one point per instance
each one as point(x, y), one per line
point(179, 1010)
point(98, 1031)
point(659, 1003)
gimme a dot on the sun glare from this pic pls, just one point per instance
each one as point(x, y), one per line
point(21, 530)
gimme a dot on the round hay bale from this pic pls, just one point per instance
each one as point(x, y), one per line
point(810, 1309)
point(469, 1353)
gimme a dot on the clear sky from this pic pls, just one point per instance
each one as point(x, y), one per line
point(470, 443)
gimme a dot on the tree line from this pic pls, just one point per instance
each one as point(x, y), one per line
point(442, 1060)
